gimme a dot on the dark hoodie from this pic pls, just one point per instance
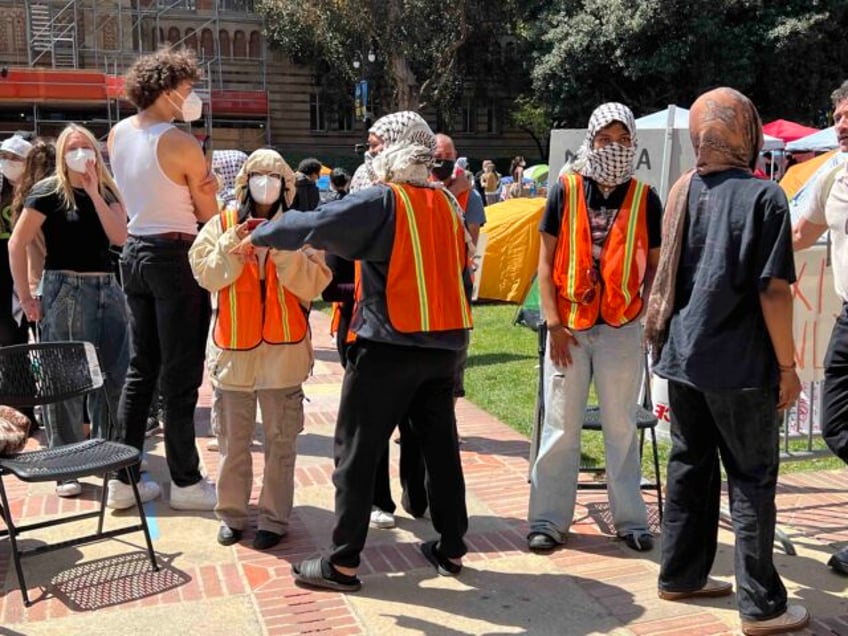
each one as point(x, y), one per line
point(306, 194)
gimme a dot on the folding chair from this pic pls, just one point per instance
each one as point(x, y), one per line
point(643, 415)
point(46, 373)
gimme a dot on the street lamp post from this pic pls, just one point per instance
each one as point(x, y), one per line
point(362, 92)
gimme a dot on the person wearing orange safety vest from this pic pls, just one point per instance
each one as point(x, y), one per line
point(259, 349)
point(411, 466)
point(601, 233)
point(412, 317)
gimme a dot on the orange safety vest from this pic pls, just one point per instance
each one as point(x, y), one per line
point(583, 292)
point(424, 289)
point(243, 321)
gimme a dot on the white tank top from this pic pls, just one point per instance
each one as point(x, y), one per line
point(154, 203)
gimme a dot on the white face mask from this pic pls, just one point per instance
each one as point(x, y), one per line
point(192, 107)
point(265, 189)
point(12, 169)
point(77, 160)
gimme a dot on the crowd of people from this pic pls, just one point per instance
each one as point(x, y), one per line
point(171, 266)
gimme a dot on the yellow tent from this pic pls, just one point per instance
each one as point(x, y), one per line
point(512, 249)
point(800, 173)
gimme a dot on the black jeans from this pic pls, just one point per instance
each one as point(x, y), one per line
point(169, 320)
point(742, 426)
point(382, 383)
point(835, 400)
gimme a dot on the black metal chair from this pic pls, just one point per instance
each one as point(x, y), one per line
point(645, 421)
point(46, 373)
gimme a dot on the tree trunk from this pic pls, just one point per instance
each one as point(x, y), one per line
point(406, 92)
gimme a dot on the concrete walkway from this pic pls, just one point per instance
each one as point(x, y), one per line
point(595, 585)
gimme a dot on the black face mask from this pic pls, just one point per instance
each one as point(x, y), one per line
point(443, 169)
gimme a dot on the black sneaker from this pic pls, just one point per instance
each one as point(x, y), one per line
point(228, 535)
point(639, 541)
point(541, 542)
point(266, 539)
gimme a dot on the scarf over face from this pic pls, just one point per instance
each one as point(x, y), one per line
point(407, 155)
point(611, 165)
point(727, 134)
point(226, 164)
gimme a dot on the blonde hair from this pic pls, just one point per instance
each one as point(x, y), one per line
point(63, 179)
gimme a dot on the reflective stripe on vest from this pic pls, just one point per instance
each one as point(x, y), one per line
point(425, 290)
point(243, 321)
point(583, 292)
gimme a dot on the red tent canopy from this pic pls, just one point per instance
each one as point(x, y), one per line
point(787, 130)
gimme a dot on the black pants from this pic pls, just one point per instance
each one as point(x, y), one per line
point(412, 475)
point(741, 426)
point(835, 399)
point(382, 383)
point(169, 320)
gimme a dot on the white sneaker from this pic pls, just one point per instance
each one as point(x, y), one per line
point(120, 495)
point(199, 496)
point(70, 488)
point(382, 519)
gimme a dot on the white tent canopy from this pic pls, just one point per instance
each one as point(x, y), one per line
point(680, 120)
point(822, 140)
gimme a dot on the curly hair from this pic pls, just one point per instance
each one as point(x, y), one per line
point(153, 74)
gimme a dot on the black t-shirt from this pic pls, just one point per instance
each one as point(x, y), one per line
point(738, 237)
point(601, 211)
point(74, 236)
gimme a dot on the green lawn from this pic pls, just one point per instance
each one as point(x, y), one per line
point(502, 378)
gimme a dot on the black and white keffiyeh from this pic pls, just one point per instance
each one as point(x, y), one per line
point(226, 164)
point(408, 149)
point(613, 164)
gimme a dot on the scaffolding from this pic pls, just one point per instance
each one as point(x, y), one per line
point(108, 35)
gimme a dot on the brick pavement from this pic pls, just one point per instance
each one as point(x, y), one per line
point(594, 585)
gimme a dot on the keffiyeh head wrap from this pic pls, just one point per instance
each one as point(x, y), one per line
point(226, 164)
point(613, 164)
point(407, 155)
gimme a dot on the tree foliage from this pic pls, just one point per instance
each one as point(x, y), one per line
point(426, 51)
point(784, 55)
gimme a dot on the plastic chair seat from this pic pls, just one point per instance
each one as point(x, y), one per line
point(82, 459)
point(644, 418)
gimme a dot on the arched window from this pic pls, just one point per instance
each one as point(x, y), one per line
point(161, 39)
point(239, 44)
point(191, 39)
point(224, 43)
point(255, 45)
point(207, 44)
point(174, 35)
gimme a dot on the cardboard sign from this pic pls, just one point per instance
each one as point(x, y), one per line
point(816, 307)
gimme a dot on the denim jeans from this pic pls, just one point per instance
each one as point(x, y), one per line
point(613, 359)
point(742, 426)
point(169, 318)
point(86, 307)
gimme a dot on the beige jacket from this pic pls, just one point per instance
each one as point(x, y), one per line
point(267, 366)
